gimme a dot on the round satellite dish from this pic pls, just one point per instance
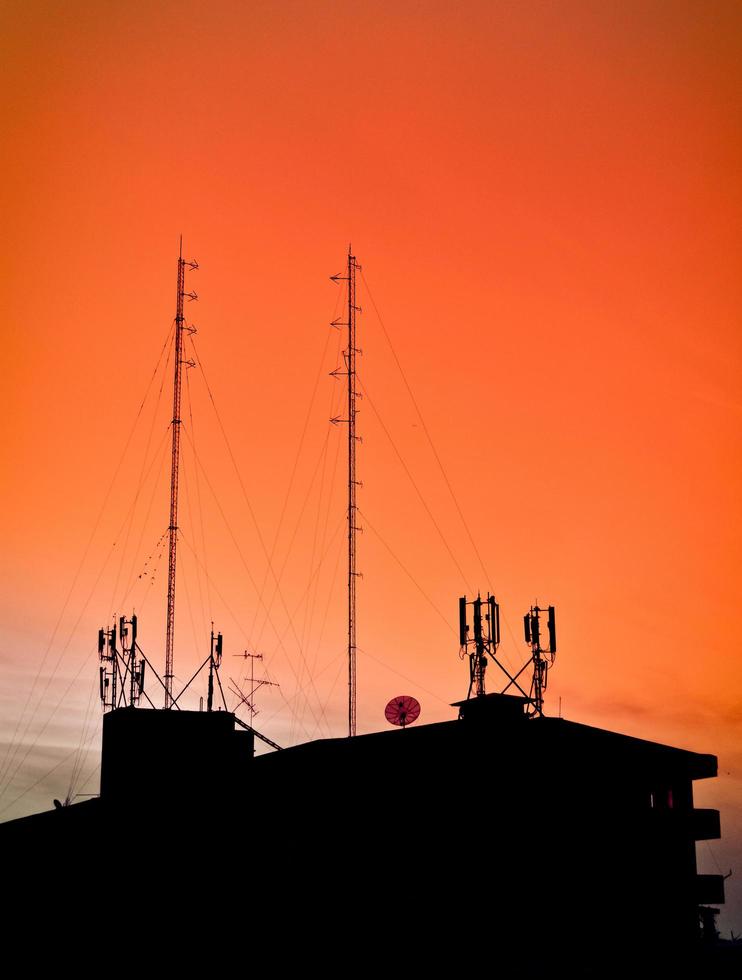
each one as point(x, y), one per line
point(402, 711)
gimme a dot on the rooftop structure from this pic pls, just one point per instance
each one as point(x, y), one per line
point(563, 836)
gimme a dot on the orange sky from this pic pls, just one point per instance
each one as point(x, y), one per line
point(545, 199)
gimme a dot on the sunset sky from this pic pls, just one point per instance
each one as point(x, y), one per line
point(545, 198)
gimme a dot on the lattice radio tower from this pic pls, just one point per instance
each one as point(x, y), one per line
point(180, 328)
point(349, 358)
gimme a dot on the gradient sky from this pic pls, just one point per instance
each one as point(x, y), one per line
point(545, 199)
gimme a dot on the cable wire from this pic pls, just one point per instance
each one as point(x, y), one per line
point(412, 481)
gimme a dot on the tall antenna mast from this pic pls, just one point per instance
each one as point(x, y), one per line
point(174, 471)
point(349, 357)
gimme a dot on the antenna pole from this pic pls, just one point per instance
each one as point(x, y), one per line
point(349, 357)
point(215, 662)
point(350, 360)
point(174, 472)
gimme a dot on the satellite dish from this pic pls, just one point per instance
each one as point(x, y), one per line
point(402, 711)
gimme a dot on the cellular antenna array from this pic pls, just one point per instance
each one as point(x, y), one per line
point(482, 647)
point(122, 668)
point(542, 658)
point(481, 643)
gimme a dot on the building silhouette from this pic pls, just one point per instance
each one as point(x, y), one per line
point(571, 844)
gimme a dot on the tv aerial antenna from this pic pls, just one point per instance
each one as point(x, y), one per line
point(402, 711)
point(255, 684)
